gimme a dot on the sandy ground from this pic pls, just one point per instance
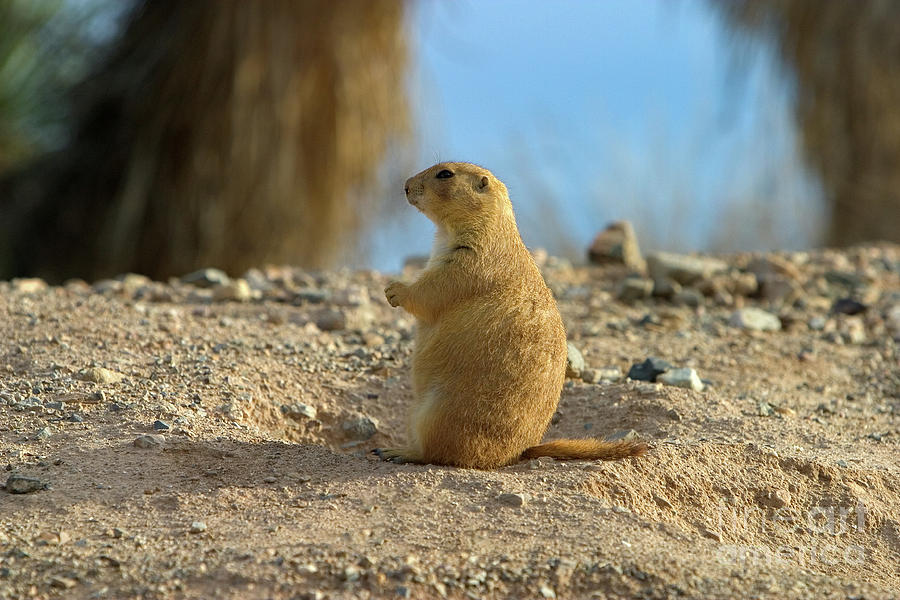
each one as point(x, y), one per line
point(779, 480)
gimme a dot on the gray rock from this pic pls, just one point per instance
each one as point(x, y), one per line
point(649, 369)
point(848, 306)
point(351, 296)
point(665, 288)
point(772, 265)
point(514, 500)
point(298, 411)
point(206, 278)
point(632, 289)
point(688, 297)
point(160, 426)
point(257, 280)
point(590, 376)
point(359, 428)
point(312, 296)
point(623, 435)
point(780, 290)
point(683, 268)
point(75, 418)
point(617, 244)
point(20, 484)
point(755, 319)
point(148, 441)
point(55, 405)
point(685, 378)
point(106, 286)
point(43, 434)
point(330, 319)
point(574, 361)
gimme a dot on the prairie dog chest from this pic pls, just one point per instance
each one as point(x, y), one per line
point(441, 247)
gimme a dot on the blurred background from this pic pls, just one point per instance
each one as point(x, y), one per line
point(159, 137)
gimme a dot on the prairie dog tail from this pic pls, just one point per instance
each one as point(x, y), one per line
point(589, 449)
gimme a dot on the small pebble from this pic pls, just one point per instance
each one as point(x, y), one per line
point(632, 289)
point(623, 434)
point(100, 375)
point(198, 527)
point(817, 323)
point(63, 583)
point(206, 278)
point(330, 319)
point(43, 433)
point(755, 319)
point(684, 269)
point(764, 409)
point(649, 369)
point(848, 306)
point(777, 498)
point(685, 378)
point(149, 441)
point(29, 285)
point(237, 290)
point(574, 361)
point(298, 411)
point(514, 500)
point(359, 428)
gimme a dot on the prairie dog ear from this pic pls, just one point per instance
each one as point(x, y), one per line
point(483, 183)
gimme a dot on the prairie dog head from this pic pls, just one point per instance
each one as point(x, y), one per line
point(455, 194)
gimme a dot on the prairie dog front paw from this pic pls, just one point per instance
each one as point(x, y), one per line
point(396, 293)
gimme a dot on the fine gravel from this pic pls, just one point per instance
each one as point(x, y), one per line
point(210, 438)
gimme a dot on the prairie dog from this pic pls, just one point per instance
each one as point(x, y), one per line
point(490, 349)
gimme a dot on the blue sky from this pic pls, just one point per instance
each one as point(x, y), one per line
point(593, 111)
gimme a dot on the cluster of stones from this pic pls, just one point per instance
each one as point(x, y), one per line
point(847, 294)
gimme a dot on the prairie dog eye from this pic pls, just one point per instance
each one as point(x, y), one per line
point(445, 174)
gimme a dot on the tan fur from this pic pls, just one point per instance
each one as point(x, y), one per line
point(490, 349)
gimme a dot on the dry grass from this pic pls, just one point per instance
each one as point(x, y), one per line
point(845, 58)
